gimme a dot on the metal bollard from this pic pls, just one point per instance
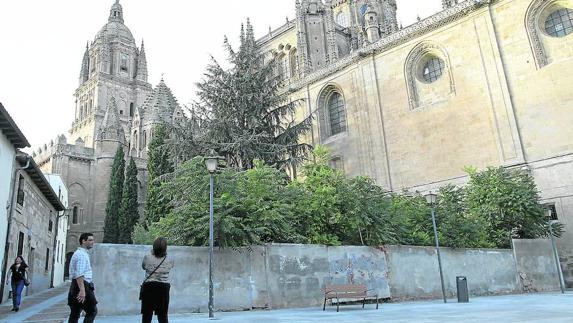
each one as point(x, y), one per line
point(462, 286)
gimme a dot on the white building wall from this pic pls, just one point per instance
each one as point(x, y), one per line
point(60, 188)
point(7, 155)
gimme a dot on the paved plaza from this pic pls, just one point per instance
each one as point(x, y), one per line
point(50, 307)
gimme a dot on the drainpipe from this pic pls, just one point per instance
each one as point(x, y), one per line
point(10, 210)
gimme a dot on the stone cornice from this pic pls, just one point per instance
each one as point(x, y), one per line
point(416, 30)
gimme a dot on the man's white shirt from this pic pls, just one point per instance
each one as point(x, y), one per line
point(80, 265)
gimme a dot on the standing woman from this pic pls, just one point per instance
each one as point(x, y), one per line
point(18, 275)
point(155, 288)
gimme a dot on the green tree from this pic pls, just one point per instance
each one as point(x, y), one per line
point(159, 163)
point(250, 207)
point(111, 226)
point(508, 201)
point(129, 212)
point(243, 114)
point(457, 228)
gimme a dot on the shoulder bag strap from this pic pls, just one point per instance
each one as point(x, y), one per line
point(154, 270)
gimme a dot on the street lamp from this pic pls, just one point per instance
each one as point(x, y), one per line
point(211, 162)
point(555, 254)
point(431, 199)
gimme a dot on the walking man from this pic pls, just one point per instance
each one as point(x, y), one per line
point(81, 296)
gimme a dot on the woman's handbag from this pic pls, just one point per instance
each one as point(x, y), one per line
point(153, 272)
point(27, 281)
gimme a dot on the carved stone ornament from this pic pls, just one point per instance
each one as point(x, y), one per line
point(532, 18)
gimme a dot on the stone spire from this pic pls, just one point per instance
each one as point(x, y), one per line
point(449, 3)
point(84, 74)
point(116, 12)
point(111, 128)
point(159, 106)
point(141, 65)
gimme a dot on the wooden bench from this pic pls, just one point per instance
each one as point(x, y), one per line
point(337, 292)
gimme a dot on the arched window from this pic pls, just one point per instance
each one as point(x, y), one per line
point(143, 139)
point(131, 109)
point(135, 140)
point(75, 215)
point(336, 113)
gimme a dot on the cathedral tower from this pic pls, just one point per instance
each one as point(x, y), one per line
point(112, 67)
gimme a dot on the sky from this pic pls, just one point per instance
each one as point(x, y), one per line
point(42, 43)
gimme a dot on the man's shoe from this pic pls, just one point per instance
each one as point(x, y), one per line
point(16, 310)
point(13, 309)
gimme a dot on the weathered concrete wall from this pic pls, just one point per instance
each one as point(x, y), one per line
point(284, 275)
point(536, 264)
point(414, 273)
point(273, 276)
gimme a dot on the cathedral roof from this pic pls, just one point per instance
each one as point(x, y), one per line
point(160, 105)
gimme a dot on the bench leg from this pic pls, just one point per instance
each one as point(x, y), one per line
point(324, 306)
point(376, 301)
point(363, 302)
point(337, 304)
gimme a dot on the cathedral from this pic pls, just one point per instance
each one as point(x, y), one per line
point(480, 83)
point(114, 106)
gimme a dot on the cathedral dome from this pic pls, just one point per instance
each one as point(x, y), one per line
point(115, 29)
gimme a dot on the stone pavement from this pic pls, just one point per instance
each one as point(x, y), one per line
point(49, 306)
point(554, 308)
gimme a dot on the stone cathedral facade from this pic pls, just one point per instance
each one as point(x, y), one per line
point(114, 106)
point(481, 83)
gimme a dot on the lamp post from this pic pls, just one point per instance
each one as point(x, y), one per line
point(555, 254)
point(431, 200)
point(211, 163)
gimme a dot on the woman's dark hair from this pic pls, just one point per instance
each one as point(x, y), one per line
point(160, 247)
point(23, 263)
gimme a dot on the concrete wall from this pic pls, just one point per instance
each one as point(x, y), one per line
point(7, 154)
point(283, 275)
point(414, 271)
point(275, 276)
point(59, 260)
point(536, 265)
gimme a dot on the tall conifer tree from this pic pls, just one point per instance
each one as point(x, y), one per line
point(111, 227)
point(129, 213)
point(158, 163)
point(244, 113)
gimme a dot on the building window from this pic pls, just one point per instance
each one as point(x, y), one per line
point(20, 243)
point(75, 215)
point(143, 139)
point(47, 259)
point(433, 69)
point(336, 113)
point(131, 109)
point(293, 63)
point(50, 225)
point(560, 23)
point(123, 60)
point(342, 19)
point(20, 195)
point(552, 212)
